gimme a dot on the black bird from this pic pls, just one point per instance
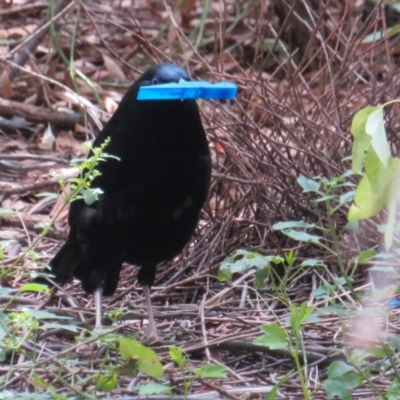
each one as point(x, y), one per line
point(152, 196)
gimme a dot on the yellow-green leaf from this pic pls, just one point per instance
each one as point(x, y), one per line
point(361, 138)
point(366, 204)
point(147, 359)
point(375, 127)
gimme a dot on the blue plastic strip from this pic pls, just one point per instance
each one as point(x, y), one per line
point(188, 90)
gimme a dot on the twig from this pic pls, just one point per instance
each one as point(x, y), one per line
point(203, 328)
point(40, 114)
point(219, 389)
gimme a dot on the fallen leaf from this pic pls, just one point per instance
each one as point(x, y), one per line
point(6, 90)
point(113, 69)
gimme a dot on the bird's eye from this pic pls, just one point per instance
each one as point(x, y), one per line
point(154, 81)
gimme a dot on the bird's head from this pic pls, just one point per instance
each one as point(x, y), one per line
point(163, 73)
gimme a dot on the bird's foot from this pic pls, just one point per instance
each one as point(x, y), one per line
point(150, 334)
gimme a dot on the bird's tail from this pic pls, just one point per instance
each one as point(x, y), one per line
point(64, 263)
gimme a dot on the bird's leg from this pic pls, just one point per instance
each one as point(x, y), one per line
point(97, 303)
point(150, 332)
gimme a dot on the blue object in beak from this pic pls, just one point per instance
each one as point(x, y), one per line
point(188, 90)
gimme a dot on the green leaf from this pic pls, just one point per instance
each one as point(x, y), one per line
point(312, 263)
point(43, 225)
point(242, 261)
point(347, 197)
point(70, 328)
point(7, 291)
point(280, 226)
point(299, 315)
point(42, 314)
point(152, 388)
point(394, 341)
point(361, 139)
point(274, 337)
point(7, 394)
point(375, 127)
point(366, 203)
point(261, 276)
point(336, 309)
point(392, 201)
point(394, 390)
point(373, 37)
point(106, 383)
point(212, 371)
point(47, 194)
point(290, 257)
point(379, 35)
point(302, 236)
point(91, 195)
point(324, 199)
point(177, 356)
point(365, 256)
point(39, 383)
point(379, 175)
point(4, 211)
point(378, 188)
point(3, 318)
point(341, 380)
point(56, 396)
point(34, 287)
point(151, 366)
point(340, 280)
point(353, 226)
point(147, 359)
point(321, 292)
point(308, 185)
point(274, 391)
point(348, 173)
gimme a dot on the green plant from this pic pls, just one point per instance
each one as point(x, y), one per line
point(207, 371)
point(377, 190)
point(243, 260)
point(379, 185)
point(328, 191)
point(276, 337)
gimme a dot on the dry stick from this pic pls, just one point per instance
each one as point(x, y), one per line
point(25, 230)
point(20, 9)
point(30, 222)
point(15, 124)
point(4, 298)
point(313, 354)
point(79, 100)
point(219, 389)
point(29, 156)
point(16, 166)
point(39, 114)
point(203, 328)
point(35, 39)
point(217, 297)
point(8, 189)
point(244, 295)
point(12, 188)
